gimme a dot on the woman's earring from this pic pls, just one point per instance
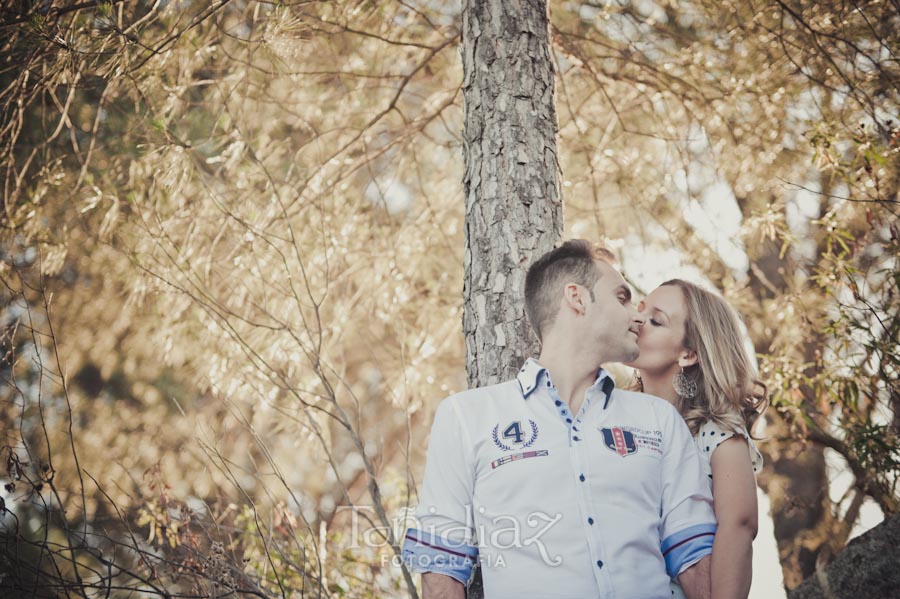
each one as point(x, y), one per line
point(684, 385)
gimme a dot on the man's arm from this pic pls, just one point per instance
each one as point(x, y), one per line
point(441, 544)
point(438, 586)
point(695, 581)
point(688, 524)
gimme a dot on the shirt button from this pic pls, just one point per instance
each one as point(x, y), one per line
point(599, 564)
point(581, 477)
point(569, 420)
point(576, 438)
point(591, 521)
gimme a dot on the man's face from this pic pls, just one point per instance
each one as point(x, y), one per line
point(612, 317)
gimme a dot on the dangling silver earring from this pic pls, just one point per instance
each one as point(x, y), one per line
point(684, 385)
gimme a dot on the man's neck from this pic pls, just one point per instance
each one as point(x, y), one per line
point(572, 374)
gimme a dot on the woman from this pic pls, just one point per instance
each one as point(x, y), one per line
point(693, 356)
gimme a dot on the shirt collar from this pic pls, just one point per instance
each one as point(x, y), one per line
point(530, 375)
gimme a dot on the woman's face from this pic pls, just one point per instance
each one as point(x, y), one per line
point(662, 333)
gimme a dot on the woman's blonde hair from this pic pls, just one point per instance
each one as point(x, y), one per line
point(729, 390)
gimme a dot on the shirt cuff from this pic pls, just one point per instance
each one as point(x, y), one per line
point(686, 547)
point(426, 552)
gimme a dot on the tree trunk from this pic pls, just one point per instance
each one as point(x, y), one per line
point(867, 567)
point(795, 480)
point(513, 205)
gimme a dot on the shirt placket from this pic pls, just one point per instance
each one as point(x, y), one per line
point(579, 460)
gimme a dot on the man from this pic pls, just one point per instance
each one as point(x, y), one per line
point(560, 485)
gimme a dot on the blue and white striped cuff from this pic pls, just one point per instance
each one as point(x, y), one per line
point(686, 547)
point(427, 552)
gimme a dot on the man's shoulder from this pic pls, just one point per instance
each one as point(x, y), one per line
point(646, 403)
point(642, 399)
point(490, 393)
point(473, 405)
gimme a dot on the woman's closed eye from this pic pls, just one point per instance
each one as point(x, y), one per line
point(655, 322)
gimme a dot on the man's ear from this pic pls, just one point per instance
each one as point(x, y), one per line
point(688, 357)
point(573, 296)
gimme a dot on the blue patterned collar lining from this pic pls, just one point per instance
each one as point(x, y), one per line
point(530, 375)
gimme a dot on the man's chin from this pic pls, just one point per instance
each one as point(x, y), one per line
point(626, 355)
point(632, 357)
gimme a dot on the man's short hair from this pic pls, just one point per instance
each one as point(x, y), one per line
point(575, 261)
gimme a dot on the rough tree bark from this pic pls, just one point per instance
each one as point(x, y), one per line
point(513, 204)
point(866, 568)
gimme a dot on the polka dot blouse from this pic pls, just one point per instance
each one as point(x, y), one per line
point(711, 436)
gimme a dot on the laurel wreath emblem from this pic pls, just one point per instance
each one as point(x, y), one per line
point(495, 435)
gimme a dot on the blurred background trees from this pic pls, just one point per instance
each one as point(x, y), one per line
point(232, 255)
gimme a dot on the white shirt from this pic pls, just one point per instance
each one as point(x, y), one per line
point(559, 505)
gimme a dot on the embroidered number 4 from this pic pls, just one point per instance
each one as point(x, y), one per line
point(514, 432)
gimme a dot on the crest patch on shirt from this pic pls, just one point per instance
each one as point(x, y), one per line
point(626, 440)
point(619, 441)
point(514, 435)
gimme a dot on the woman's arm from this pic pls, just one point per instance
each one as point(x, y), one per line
point(734, 498)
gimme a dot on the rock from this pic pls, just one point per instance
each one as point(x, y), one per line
point(867, 568)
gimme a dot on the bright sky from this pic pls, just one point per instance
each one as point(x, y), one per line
point(767, 580)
